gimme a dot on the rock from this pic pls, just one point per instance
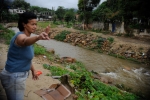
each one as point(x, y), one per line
point(52, 51)
point(127, 68)
point(106, 80)
point(68, 59)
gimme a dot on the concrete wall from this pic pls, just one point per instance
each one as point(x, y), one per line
point(119, 28)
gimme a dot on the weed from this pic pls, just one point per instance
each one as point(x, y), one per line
point(39, 50)
point(111, 40)
point(61, 36)
point(6, 34)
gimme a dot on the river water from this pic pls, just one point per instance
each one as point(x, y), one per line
point(138, 78)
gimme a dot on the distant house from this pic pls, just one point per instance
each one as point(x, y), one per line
point(46, 15)
point(16, 11)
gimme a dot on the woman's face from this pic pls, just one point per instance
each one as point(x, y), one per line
point(30, 27)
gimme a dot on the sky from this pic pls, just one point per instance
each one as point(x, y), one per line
point(55, 3)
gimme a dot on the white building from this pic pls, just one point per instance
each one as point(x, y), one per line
point(16, 11)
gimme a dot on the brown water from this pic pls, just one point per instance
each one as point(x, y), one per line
point(138, 78)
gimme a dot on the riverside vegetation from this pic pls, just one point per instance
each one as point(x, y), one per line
point(87, 88)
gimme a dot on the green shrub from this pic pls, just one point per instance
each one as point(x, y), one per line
point(39, 50)
point(6, 34)
point(100, 41)
point(111, 40)
point(61, 36)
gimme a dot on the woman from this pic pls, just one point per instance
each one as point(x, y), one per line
point(19, 57)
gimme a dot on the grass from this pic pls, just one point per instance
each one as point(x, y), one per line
point(44, 24)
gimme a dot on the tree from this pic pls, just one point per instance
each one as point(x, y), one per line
point(144, 13)
point(60, 12)
point(35, 8)
point(21, 4)
point(102, 13)
point(4, 6)
point(109, 11)
point(69, 15)
point(85, 7)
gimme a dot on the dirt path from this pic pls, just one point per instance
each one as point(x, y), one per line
point(31, 85)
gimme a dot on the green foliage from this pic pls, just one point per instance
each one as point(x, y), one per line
point(37, 9)
point(60, 12)
point(39, 50)
point(124, 10)
point(6, 34)
point(56, 71)
point(88, 88)
point(6, 16)
point(85, 9)
point(69, 15)
point(100, 42)
point(102, 13)
point(21, 4)
point(61, 36)
point(111, 40)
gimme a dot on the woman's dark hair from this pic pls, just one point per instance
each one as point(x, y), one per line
point(24, 17)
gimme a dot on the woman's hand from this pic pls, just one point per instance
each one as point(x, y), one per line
point(34, 75)
point(44, 35)
point(47, 29)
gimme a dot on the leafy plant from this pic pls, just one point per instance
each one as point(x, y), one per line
point(100, 41)
point(61, 36)
point(86, 87)
point(111, 40)
point(39, 50)
point(6, 34)
point(56, 71)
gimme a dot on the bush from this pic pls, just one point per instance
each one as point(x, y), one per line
point(61, 36)
point(39, 50)
point(6, 34)
point(111, 40)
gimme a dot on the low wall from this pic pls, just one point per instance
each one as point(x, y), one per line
point(119, 28)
